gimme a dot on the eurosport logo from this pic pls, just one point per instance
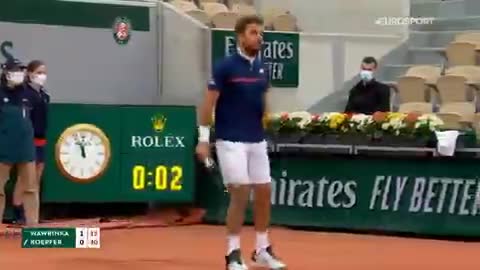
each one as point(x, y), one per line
point(404, 20)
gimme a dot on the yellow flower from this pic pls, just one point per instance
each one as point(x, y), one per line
point(396, 115)
point(336, 120)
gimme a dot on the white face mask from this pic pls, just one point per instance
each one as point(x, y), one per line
point(15, 78)
point(39, 79)
point(366, 75)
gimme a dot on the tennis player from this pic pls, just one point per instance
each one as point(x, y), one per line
point(238, 92)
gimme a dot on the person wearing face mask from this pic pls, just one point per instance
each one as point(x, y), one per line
point(34, 87)
point(369, 95)
point(16, 138)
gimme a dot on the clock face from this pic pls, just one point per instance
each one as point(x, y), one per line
point(83, 154)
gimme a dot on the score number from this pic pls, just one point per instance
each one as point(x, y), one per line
point(87, 238)
point(166, 178)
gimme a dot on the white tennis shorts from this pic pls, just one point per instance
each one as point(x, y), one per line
point(243, 163)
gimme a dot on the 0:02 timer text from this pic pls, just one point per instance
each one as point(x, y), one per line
point(166, 178)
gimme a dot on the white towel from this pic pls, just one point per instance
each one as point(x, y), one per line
point(446, 142)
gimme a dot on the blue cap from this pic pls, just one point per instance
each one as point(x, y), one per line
point(13, 64)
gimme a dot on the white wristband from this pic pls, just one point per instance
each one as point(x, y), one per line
point(209, 163)
point(204, 134)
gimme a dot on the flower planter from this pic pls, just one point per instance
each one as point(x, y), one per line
point(269, 137)
point(399, 141)
point(346, 139)
point(355, 139)
point(320, 139)
point(287, 138)
point(468, 140)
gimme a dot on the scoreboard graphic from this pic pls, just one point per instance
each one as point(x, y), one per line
point(61, 237)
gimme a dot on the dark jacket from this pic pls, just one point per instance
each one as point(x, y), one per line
point(369, 98)
point(39, 111)
point(16, 130)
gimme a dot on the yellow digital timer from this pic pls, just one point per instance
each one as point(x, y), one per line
point(163, 178)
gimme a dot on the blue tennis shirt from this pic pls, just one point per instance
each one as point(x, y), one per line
point(242, 83)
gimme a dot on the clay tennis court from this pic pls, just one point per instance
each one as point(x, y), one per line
point(201, 247)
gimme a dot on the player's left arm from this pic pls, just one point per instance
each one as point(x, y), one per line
point(266, 94)
point(266, 98)
point(266, 107)
point(266, 102)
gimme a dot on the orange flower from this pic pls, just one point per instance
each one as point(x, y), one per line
point(412, 117)
point(379, 117)
point(349, 115)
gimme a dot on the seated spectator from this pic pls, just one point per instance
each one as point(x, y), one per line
point(368, 95)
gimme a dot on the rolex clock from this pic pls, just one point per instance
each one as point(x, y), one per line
point(82, 153)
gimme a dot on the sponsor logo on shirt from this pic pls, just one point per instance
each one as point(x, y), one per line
point(245, 80)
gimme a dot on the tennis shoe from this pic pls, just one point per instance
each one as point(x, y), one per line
point(266, 258)
point(234, 261)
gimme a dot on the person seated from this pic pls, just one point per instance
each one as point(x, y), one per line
point(369, 95)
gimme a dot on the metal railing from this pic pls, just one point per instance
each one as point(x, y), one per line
point(355, 149)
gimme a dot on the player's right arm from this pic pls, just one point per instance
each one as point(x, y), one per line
point(215, 86)
point(206, 109)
